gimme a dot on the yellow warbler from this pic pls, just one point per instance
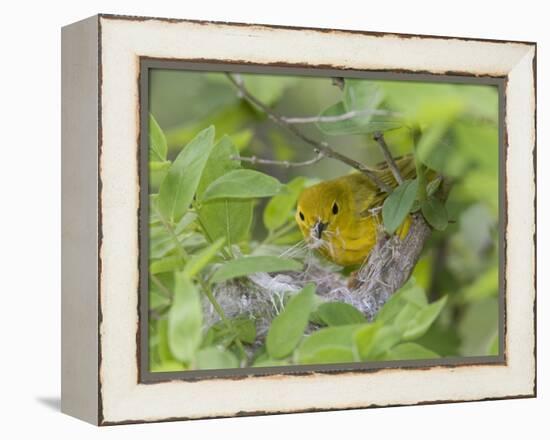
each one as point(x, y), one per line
point(341, 217)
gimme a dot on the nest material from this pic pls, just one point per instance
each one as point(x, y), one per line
point(388, 267)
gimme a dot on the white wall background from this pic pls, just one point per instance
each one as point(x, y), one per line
point(30, 217)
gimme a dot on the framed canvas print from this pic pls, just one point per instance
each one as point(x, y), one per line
point(262, 220)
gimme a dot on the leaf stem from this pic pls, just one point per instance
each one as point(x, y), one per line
point(210, 295)
point(227, 254)
point(169, 228)
point(205, 287)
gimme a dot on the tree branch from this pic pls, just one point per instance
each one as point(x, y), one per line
point(336, 118)
point(379, 138)
point(388, 267)
point(318, 147)
point(284, 163)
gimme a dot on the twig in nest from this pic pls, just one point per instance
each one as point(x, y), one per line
point(387, 269)
point(379, 138)
point(318, 147)
point(284, 163)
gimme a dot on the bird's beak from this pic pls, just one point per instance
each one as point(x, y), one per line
point(318, 229)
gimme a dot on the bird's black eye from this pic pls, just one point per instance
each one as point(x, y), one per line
point(335, 208)
point(301, 214)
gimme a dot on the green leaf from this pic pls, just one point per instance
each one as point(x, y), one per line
point(268, 362)
point(361, 95)
point(339, 336)
point(157, 142)
point(185, 320)
point(391, 309)
point(242, 184)
point(159, 166)
point(220, 333)
point(219, 163)
point(364, 338)
point(433, 186)
point(215, 358)
point(424, 319)
point(161, 243)
point(329, 355)
point(178, 187)
point(398, 205)
point(408, 351)
point(167, 366)
point(287, 329)
point(230, 219)
point(202, 258)
point(163, 349)
point(165, 264)
point(435, 213)
point(250, 265)
point(413, 293)
point(373, 340)
point(279, 209)
point(339, 313)
point(405, 316)
point(158, 300)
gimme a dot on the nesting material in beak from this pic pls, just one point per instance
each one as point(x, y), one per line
point(318, 229)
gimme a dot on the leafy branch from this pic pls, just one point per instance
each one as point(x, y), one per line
point(318, 147)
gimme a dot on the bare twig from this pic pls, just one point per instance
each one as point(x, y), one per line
point(379, 138)
point(283, 163)
point(318, 147)
point(336, 118)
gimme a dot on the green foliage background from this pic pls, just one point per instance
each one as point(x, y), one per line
point(214, 219)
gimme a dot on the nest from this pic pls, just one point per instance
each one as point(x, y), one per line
point(388, 267)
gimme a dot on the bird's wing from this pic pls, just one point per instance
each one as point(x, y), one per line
point(406, 167)
point(369, 196)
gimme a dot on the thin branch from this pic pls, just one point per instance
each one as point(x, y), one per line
point(318, 147)
point(336, 118)
point(379, 138)
point(283, 163)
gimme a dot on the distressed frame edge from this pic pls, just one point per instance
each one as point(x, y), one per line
point(80, 128)
point(102, 421)
point(128, 17)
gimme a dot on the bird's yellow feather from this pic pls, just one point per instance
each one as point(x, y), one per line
point(341, 217)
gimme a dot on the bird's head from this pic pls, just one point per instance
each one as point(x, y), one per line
point(321, 210)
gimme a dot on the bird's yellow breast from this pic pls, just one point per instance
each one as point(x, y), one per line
point(351, 245)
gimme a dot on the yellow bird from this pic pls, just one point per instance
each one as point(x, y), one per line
point(341, 217)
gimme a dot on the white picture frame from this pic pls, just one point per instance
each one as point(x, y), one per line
point(101, 66)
